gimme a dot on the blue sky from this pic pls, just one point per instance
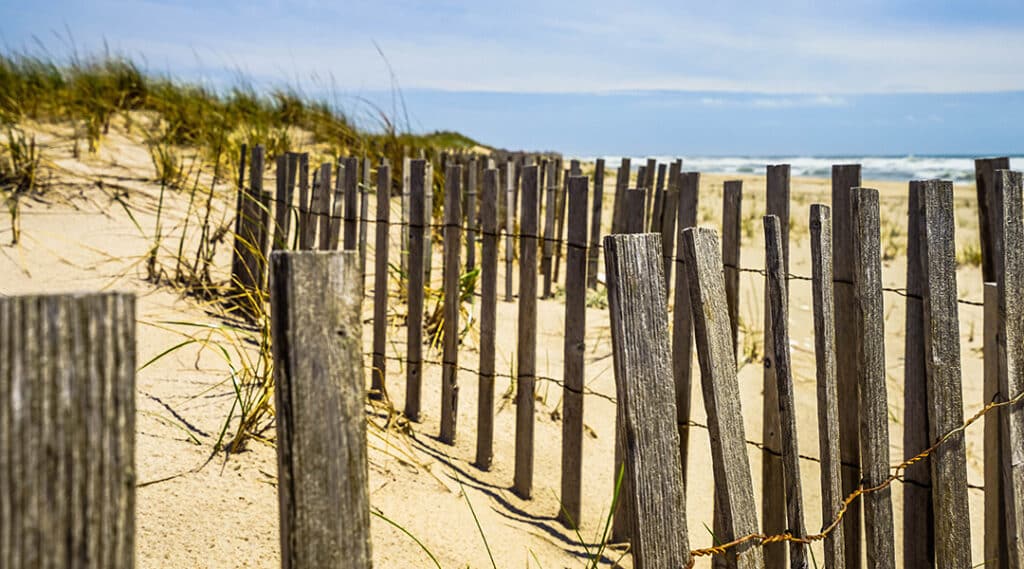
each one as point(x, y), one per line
point(597, 77)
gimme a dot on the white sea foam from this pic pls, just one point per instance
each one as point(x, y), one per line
point(955, 168)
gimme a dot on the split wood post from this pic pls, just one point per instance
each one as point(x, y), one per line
point(575, 346)
point(428, 222)
point(511, 194)
point(773, 497)
point(995, 510)
point(378, 385)
point(350, 195)
point(307, 204)
point(719, 385)
point(621, 185)
point(67, 431)
point(471, 214)
point(329, 207)
point(562, 202)
point(827, 389)
point(595, 224)
point(988, 221)
point(548, 246)
point(732, 238)
point(526, 354)
point(240, 205)
point(406, 165)
point(282, 202)
point(452, 299)
point(633, 210)
point(414, 319)
point(682, 317)
point(667, 225)
point(874, 409)
point(942, 362)
point(918, 516)
point(488, 319)
point(322, 474)
point(848, 342)
point(659, 202)
point(643, 379)
point(364, 214)
point(1010, 347)
point(778, 303)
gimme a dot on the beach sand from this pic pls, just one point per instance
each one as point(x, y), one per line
point(195, 510)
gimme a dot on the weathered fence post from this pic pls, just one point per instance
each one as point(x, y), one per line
point(773, 498)
point(249, 239)
point(1010, 340)
point(621, 184)
point(414, 318)
point(526, 353)
point(67, 431)
point(778, 304)
point(667, 224)
point(378, 385)
point(918, 517)
point(350, 197)
point(488, 319)
point(240, 205)
point(995, 509)
point(658, 210)
point(329, 209)
point(848, 342)
point(561, 201)
point(827, 389)
point(548, 246)
point(364, 214)
point(575, 346)
point(682, 325)
point(307, 225)
point(595, 224)
point(633, 206)
point(452, 299)
point(428, 223)
point(874, 410)
point(511, 191)
point(735, 494)
point(283, 201)
point(406, 166)
point(471, 214)
point(732, 237)
point(321, 427)
point(988, 220)
point(942, 362)
point(643, 379)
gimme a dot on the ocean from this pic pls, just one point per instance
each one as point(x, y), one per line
point(959, 169)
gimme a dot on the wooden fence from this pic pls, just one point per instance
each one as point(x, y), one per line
point(316, 297)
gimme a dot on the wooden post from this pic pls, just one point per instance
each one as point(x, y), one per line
point(659, 203)
point(350, 195)
point(282, 202)
point(561, 203)
point(985, 184)
point(778, 304)
point(828, 400)
point(874, 409)
point(942, 359)
point(364, 214)
point(633, 210)
point(773, 498)
point(526, 353)
point(406, 165)
point(732, 237)
point(643, 380)
point(848, 342)
point(67, 431)
point(621, 184)
point(329, 209)
point(511, 191)
point(548, 245)
point(378, 385)
point(575, 346)
point(595, 224)
point(428, 223)
point(414, 319)
point(471, 214)
point(240, 205)
point(321, 426)
point(918, 517)
point(263, 241)
point(667, 224)
point(1010, 347)
point(735, 494)
point(488, 319)
point(682, 325)
point(307, 203)
point(452, 300)
point(995, 509)
point(249, 238)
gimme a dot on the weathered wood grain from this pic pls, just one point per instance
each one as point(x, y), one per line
point(364, 214)
point(621, 185)
point(378, 372)
point(350, 197)
point(682, 317)
point(595, 224)
point(428, 223)
point(321, 426)
point(643, 379)
point(942, 362)
point(282, 203)
point(575, 346)
point(657, 212)
point(827, 389)
point(735, 494)
point(918, 517)
point(668, 224)
point(848, 340)
point(874, 408)
point(1010, 340)
point(414, 318)
point(471, 213)
point(488, 319)
point(633, 208)
point(985, 185)
point(995, 509)
point(452, 299)
point(406, 165)
point(526, 354)
point(548, 244)
point(732, 238)
point(561, 204)
point(330, 208)
point(511, 191)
